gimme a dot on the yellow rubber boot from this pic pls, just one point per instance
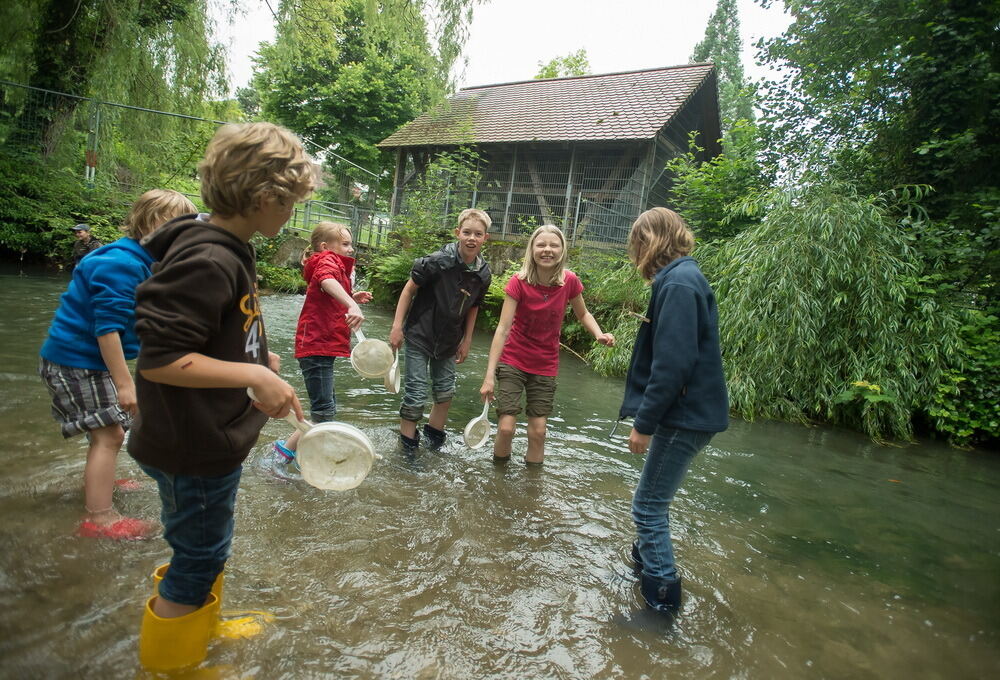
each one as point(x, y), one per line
point(176, 643)
point(231, 628)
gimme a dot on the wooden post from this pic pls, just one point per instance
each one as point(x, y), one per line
point(569, 187)
point(510, 191)
point(397, 183)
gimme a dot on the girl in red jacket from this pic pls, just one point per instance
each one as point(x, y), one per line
point(328, 315)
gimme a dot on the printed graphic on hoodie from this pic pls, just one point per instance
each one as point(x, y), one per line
point(253, 324)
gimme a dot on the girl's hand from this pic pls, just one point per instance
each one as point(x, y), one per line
point(486, 391)
point(274, 362)
point(354, 317)
point(606, 339)
point(638, 442)
point(362, 296)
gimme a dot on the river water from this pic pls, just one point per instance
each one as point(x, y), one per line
point(807, 552)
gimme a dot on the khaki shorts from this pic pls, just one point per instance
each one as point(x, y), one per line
point(511, 382)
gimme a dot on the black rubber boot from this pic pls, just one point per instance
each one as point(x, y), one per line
point(636, 560)
point(435, 437)
point(662, 596)
point(410, 444)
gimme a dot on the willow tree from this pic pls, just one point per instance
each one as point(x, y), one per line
point(822, 314)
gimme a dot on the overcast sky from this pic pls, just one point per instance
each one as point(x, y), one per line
point(508, 38)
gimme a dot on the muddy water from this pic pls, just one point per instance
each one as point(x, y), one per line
point(807, 552)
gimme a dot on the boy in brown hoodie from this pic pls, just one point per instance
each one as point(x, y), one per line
point(202, 344)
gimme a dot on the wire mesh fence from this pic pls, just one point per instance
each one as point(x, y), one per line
point(130, 149)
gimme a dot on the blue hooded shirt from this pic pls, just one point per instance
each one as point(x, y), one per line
point(100, 300)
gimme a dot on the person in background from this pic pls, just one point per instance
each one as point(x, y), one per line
point(204, 344)
point(675, 391)
point(83, 359)
point(329, 314)
point(85, 243)
point(524, 354)
point(436, 314)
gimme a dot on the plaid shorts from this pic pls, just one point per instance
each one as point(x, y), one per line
point(82, 399)
point(511, 383)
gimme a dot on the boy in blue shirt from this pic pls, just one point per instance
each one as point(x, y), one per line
point(83, 358)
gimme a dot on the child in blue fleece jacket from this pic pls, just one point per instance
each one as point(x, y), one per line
point(675, 391)
point(83, 358)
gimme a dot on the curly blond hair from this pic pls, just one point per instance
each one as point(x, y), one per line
point(246, 161)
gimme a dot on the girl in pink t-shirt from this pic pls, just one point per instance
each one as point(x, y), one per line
point(524, 355)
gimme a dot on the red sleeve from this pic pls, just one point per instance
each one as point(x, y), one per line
point(514, 287)
point(327, 268)
point(574, 285)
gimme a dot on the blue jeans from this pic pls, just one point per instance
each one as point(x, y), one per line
point(197, 521)
point(670, 453)
point(419, 369)
point(318, 375)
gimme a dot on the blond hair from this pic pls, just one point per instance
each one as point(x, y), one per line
point(658, 237)
point(246, 161)
point(153, 209)
point(529, 270)
point(475, 214)
point(327, 232)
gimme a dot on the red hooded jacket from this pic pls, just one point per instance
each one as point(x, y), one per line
point(322, 330)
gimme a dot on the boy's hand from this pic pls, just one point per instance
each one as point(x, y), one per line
point(275, 397)
point(486, 391)
point(362, 296)
point(396, 337)
point(127, 399)
point(354, 317)
point(606, 339)
point(274, 362)
point(463, 351)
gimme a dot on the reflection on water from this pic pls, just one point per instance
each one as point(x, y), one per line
point(806, 552)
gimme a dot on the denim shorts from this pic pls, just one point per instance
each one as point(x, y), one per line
point(419, 369)
point(197, 518)
point(511, 382)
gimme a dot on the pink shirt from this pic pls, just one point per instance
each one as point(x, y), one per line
point(533, 342)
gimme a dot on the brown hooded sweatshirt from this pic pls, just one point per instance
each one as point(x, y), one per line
point(202, 297)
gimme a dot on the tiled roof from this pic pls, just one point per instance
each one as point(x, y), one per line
point(633, 105)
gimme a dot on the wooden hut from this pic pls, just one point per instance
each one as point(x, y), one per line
point(587, 153)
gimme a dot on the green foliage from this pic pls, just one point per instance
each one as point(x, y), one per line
point(708, 193)
point(965, 406)
point(39, 203)
point(822, 295)
point(573, 64)
point(280, 279)
point(722, 46)
point(364, 67)
point(427, 222)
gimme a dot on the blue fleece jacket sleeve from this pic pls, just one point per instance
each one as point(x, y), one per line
point(112, 295)
point(674, 353)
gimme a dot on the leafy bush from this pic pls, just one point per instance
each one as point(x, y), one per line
point(280, 279)
point(965, 407)
point(822, 295)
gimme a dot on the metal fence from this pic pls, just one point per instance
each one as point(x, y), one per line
point(130, 149)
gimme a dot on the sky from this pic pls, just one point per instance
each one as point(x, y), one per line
point(508, 38)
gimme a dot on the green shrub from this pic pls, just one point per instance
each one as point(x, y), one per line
point(280, 279)
point(965, 406)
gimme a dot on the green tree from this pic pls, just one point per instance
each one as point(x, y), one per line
point(890, 92)
point(721, 46)
point(347, 73)
point(573, 64)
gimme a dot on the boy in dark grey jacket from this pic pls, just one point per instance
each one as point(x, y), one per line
point(439, 305)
